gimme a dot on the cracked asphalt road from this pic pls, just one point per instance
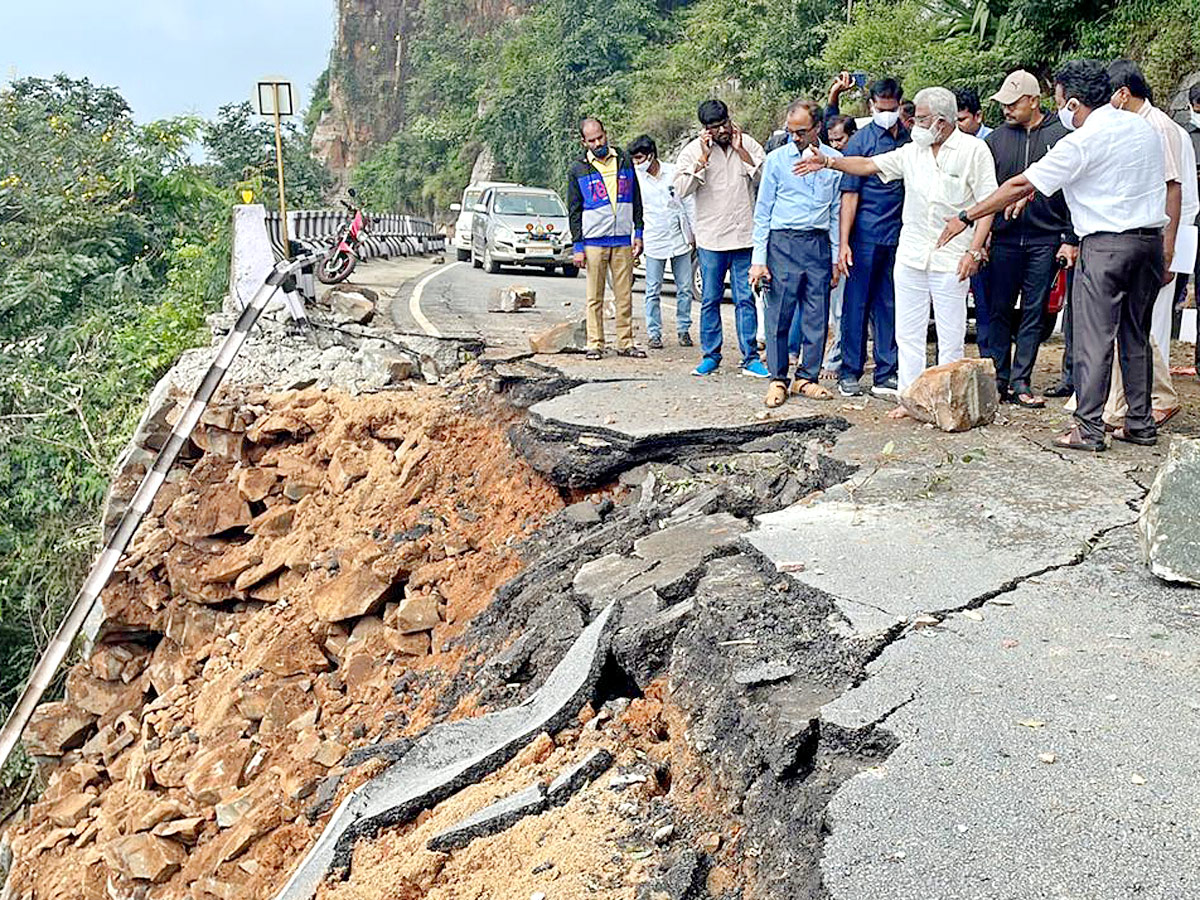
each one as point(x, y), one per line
point(1039, 681)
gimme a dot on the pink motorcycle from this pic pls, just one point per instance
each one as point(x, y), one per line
point(341, 259)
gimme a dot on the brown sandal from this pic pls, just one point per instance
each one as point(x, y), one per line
point(1074, 440)
point(810, 389)
point(1163, 416)
point(776, 394)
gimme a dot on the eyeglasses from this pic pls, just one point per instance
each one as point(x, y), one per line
point(924, 120)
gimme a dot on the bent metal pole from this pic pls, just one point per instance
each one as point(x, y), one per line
point(106, 562)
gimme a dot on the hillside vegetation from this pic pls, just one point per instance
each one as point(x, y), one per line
point(114, 244)
point(643, 65)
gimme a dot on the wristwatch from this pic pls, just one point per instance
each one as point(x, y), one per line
point(963, 217)
point(977, 255)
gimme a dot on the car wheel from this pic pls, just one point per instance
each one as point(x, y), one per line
point(490, 264)
point(463, 255)
point(570, 270)
point(549, 270)
point(475, 261)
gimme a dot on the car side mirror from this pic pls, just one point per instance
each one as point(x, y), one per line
point(455, 207)
point(479, 207)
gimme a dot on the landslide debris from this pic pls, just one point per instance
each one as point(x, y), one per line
point(277, 633)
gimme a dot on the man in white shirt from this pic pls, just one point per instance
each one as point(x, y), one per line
point(667, 238)
point(1131, 92)
point(1110, 169)
point(943, 171)
point(720, 169)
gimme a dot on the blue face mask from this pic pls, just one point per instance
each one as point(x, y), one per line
point(600, 152)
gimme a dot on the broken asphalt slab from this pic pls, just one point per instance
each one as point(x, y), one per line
point(453, 755)
point(915, 537)
point(587, 436)
point(1047, 749)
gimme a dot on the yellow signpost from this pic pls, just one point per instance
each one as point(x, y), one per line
point(274, 98)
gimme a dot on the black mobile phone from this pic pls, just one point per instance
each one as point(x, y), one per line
point(860, 79)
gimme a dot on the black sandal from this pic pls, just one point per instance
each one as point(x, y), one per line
point(634, 352)
point(1074, 440)
point(593, 354)
point(1034, 402)
point(1142, 440)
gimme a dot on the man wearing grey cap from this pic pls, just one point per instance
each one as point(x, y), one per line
point(1026, 249)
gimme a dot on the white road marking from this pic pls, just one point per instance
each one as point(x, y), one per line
point(414, 300)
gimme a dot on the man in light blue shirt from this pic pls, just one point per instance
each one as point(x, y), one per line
point(795, 230)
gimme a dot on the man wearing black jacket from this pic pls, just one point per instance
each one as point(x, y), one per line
point(1026, 249)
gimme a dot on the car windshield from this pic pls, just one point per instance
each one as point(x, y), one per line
point(470, 198)
point(529, 205)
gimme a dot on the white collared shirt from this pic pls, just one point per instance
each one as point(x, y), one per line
point(667, 220)
point(936, 188)
point(1111, 172)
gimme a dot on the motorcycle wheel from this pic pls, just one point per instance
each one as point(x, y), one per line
point(335, 268)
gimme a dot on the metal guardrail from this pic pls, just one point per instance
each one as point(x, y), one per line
point(388, 234)
point(282, 277)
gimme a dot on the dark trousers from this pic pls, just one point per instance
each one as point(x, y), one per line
point(870, 294)
point(1068, 360)
point(801, 267)
point(1118, 279)
point(983, 312)
point(1028, 272)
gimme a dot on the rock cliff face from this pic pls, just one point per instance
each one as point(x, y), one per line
point(374, 42)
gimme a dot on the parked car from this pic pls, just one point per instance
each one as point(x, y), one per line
point(521, 226)
point(466, 212)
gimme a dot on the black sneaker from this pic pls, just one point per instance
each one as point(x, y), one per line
point(655, 343)
point(889, 387)
point(685, 339)
point(1062, 389)
point(849, 388)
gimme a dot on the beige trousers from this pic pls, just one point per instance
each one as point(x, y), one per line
point(600, 260)
point(1162, 393)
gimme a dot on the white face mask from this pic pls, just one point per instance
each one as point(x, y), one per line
point(1066, 115)
point(922, 136)
point(1195, 118)
point(643, 167)
point(885, 120)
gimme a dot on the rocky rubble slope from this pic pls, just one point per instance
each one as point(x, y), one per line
point(278, 628)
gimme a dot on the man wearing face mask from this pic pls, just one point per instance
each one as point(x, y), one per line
point(942, 169)
point(604, 208)
point(1132, 93)
point(795, 227)
point(720, 169)
point(1111, 171)
point(1027, 247)
point(668, 239)
point(869, 233)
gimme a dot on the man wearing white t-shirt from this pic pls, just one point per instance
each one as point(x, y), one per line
point(668, 238)
point(1110, 170)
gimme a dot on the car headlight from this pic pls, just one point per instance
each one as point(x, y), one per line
point(504, 233)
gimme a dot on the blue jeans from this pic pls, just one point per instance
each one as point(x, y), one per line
point(870, 293)
point(681, 266)
point(801, 267)
point(714, 264)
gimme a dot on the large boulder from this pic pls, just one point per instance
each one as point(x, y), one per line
point(512, 299)
point(352, 305)
point(560, 338)
point(1169, 529)
point(956, 396)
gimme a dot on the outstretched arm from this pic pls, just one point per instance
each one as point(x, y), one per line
point(850, 165)
point(1009, 192)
